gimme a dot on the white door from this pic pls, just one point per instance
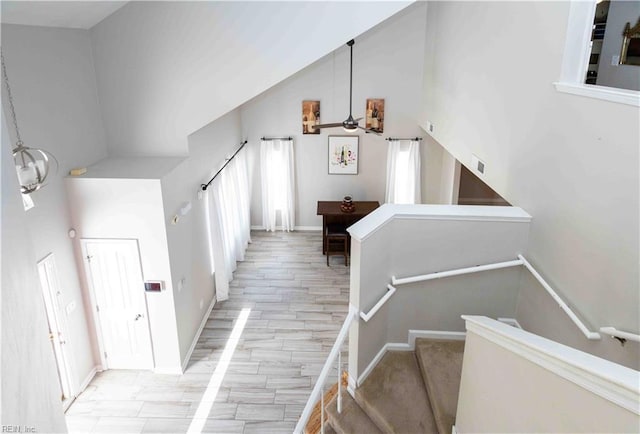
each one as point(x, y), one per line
point(115, 278)
point(56, 319)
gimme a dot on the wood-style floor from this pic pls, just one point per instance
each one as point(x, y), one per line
point(297, 306)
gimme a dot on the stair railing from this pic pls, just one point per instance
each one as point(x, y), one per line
point(625, 336)
point(318, 390)
point(496, 266)
point(367, 316)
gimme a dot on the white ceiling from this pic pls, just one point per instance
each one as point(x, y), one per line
point(70, 14)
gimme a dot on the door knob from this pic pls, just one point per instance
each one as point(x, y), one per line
point(138, 316)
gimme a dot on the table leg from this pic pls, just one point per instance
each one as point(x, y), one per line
point(324, 234)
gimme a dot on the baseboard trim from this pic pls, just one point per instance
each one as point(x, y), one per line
point(309, 228)
point(410, 345)
point(88, 379)
point(434, 334)
point(187, 357)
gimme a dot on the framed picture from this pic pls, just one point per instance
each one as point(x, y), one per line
point(343, 155)
point(310, 117)
point(375, 114)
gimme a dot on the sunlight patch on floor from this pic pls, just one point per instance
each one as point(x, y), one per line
point(209, 397)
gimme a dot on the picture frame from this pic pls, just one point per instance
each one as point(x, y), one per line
point(310, 116)
point(343, 155)
point(374, 118)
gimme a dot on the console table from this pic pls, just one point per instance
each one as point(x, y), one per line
point(331, 213)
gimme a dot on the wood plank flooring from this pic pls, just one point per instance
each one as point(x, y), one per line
point(297, 306)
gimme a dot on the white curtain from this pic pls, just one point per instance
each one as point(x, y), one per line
point(403, 172)
point(276, 165)
point(228, 204)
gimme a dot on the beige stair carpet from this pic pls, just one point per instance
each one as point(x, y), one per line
point(352, 420)
point(394, 396)
point(441, 366)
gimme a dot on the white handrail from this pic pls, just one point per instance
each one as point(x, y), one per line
point(367, 316)
point(588, 333)
point(498, 265)
point(316, 393)
point(456, 272)
point(612, 331)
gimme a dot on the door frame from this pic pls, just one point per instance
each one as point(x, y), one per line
point(65, 366)
point(95, 313)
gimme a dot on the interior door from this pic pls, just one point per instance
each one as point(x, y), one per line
point(56, 320)
point(114, 274)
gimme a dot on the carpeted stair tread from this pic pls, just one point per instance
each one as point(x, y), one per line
point(352, 420)
point(441, 366)
point(328, 429)
point(394, 396)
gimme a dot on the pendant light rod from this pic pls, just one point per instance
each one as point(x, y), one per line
point(12, 109)
point(350, 44)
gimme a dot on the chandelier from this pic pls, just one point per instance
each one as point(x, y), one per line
point(32, 164)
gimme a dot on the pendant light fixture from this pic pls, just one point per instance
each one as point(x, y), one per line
point(32, 164)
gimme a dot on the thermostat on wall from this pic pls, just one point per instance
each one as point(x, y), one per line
point(153, 286)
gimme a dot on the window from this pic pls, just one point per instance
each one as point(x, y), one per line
point(403, 172)
point(277, 175)
point(577, 55)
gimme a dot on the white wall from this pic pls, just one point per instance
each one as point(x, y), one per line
point(622, 76)
point(29, 385)
point(387, 63)
point(188, 241)
point(53, 85)
point(528, 390)
point(569, 161)
point(133, 209)
point(406, 241)
point(166, 69)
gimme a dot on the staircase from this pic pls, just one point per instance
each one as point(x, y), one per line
point(407, 392)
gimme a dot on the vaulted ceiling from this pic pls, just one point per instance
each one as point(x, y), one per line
point(166, 69)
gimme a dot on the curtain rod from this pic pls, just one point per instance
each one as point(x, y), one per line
point(417, 139)
point(205, 186)
point(276, 138)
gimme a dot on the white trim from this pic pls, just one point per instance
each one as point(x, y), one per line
point(583, 328)
point(577, 47)
point(622, 96)
point(434, 335)
point(575, 60)
point(308, 228)
point(185, 362)
point(374, 221)
point(367, 316)
point(612, 331)
point(89, 378)
point(410, 345)
point(296, 228)
point(351, 386)
point(454, 430)
point(456, 272)
point(615, 383)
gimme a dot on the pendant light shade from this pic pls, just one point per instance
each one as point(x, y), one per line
point(33, 165)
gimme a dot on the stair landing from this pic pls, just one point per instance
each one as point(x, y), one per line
point(394, 395)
